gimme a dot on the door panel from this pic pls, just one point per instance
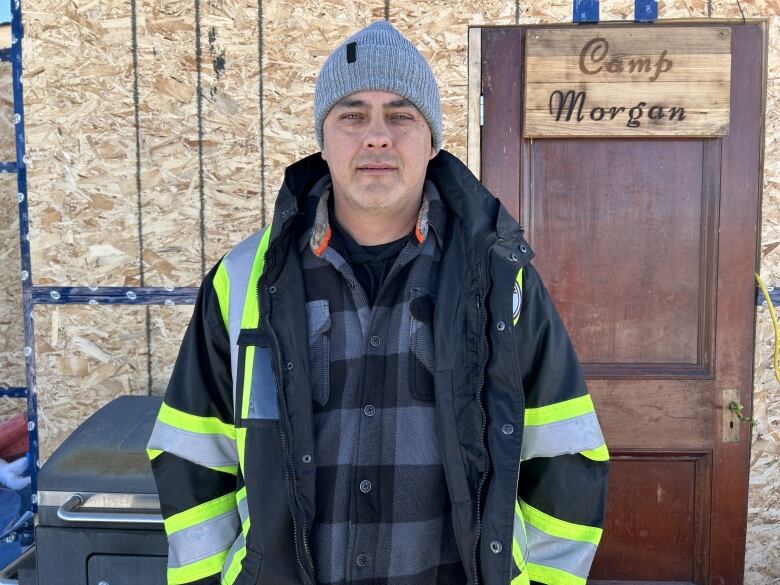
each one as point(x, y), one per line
point(648, 247)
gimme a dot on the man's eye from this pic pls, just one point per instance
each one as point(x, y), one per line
point(350, 116)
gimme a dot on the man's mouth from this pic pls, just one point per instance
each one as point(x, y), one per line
point(377, 169)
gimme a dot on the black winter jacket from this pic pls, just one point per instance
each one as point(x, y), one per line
point(503, 384)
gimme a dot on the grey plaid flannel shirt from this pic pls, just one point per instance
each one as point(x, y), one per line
point(382, 510)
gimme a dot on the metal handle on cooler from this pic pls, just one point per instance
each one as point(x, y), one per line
point(69, 511)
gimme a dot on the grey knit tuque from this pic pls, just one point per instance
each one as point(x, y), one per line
point(378, 58)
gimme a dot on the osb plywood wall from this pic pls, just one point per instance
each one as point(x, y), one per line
point(158, 132)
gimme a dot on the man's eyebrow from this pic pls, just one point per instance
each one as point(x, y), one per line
point(400, 103)
point(351, 103)
point(356, 103)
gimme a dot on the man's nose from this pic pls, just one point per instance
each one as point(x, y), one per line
point(378, 135)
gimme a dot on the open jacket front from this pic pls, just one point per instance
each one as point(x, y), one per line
point(523, 454)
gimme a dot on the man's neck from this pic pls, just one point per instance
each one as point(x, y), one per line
point(375, 227)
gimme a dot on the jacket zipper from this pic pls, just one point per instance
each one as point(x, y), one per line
point(289, 468)
point(483, 476)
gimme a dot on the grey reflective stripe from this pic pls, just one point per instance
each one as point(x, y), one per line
point(518, 531)
point(570, 435)
point(238, 263)
point(202, 540)
point(207, 450)
point(237, 546)
point(572, 556)
point(262, 394)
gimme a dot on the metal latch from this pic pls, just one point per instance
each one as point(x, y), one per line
point(732, 416)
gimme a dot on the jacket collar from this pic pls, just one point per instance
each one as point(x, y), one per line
point(481, 215)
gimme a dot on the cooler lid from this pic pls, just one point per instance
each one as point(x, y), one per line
point(107, 453)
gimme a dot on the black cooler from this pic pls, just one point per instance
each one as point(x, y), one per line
point(99, 515)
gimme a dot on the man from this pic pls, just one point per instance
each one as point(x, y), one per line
point(361, 380)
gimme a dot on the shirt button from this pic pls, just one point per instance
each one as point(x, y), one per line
point(375, 341)
point(361, 560)
point(500, 325)
point(365, 486)
point(507, 429)
point(369, 410)
point(495, 546)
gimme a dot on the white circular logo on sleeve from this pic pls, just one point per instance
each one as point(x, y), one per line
point(517, 299)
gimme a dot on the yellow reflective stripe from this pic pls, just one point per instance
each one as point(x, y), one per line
point(560, 528)
point(222, 288)
point(198, 570)
point(200, 513)
point(153, 453)
point(552, 576)
point(207, 425)
point(235, 567)
point(517, 553)
point(519, 278)
point(559, 411)
point(521, 579)
point(597, 454)
point(250, 317)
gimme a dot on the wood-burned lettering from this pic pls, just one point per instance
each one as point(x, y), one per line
point(595, 59)
point(566, 104)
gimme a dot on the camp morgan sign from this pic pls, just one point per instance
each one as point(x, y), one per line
point(627, 81)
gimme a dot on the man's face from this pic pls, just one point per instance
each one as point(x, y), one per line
point(377, 145)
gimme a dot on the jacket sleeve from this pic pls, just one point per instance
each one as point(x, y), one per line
point(193, 445)
point(564, 460)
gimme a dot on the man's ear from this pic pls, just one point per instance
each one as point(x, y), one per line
point(433, 153)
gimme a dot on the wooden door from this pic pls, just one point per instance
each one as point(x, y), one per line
point(648, 247)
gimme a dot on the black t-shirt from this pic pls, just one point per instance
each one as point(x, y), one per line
point(371, 264)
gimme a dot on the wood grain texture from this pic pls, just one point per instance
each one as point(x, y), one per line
point(230, 81)
point(736, 261)
point(652, 504)
point(85, 356)
point(626, 81)
point(676, 414)
point(634, 40)
point(502, 51)
point(168, 324)
point(168, 128)
point(78, 88)
point(687, 67)
point(632, 211)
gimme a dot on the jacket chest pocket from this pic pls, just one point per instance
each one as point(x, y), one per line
point(255, 380)
point(318, 319)
point(421, 356)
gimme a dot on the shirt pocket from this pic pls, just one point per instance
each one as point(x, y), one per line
point(318, 319)
point(255, 381)
point(421, 356)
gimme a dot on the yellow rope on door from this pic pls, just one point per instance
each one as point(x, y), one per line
point(774, 324)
